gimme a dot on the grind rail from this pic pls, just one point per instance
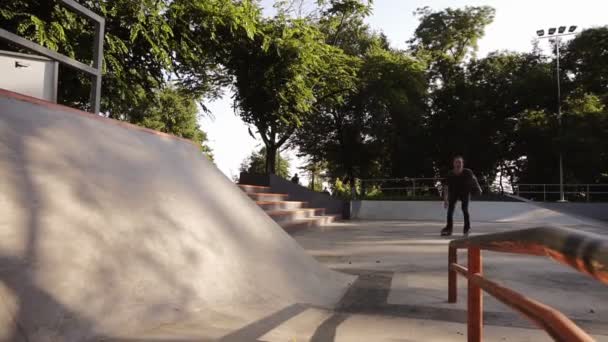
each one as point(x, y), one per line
point(587, 253)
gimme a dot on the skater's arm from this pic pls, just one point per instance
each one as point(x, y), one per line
point(476, 183)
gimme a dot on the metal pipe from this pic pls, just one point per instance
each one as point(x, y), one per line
point(585, 252)
point(474, 298)
point(452, 276)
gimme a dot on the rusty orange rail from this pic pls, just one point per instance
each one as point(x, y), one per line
point(584, 252)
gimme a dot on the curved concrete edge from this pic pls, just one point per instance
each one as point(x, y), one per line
point(480, 211)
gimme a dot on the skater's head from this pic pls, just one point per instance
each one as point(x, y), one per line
point(458, 163)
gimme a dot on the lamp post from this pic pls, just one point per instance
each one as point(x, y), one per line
point(561, 32)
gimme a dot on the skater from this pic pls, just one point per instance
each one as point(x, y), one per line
point(295, 179)
point(458, 185)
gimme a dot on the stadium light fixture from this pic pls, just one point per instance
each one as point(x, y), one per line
point(556, 39)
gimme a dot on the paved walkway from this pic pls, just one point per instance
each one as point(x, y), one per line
point(401, 290)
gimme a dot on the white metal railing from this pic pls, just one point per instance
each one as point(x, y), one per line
point(580, 191)
point(405, 187)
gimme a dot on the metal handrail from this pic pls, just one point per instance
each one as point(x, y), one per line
point(586, 190)
point(566, 184)
point(587, 253)
point(95, 71)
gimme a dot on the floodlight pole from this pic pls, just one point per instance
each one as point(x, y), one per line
point(562, 197)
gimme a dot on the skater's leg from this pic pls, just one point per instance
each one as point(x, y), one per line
point(464, 200)
point(450, 218)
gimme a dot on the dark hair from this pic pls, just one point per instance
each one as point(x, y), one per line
point(458, 156)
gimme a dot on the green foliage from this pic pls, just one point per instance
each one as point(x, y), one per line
point(145, 42)
point(256, 164)
point(293, 70)
point(377, 121)
point(206, 32)
point(585, 57)
point(329, 85)
point(173, 111)
point(450, 34)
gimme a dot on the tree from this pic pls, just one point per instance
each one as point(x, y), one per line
point(585, 58)
point(205, 34)
point(450, 35)
point(316, 171)
point(292, 66)
point(175, 112)
point(256, 164)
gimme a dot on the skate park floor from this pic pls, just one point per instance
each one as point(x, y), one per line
point(401, 291)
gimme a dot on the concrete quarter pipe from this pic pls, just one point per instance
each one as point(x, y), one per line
point(107, 229)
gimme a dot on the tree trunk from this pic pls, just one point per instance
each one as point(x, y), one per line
point(271, 159)
point(502, 171)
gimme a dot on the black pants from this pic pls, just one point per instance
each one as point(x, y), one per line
point(464, 200)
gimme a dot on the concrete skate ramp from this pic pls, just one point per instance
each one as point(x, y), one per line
point(107, 228)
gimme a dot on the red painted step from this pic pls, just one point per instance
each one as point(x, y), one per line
point(268, 197)
point(318, 221)
point(280, 205)
point(291, 215)
point(252, 189)
point(295, 214)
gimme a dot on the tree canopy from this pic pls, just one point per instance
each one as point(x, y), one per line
point(325, 83)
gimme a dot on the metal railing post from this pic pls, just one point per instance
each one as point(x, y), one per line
point(544, 192)
point(588, 194)
point(474, 298)
point(95, 71)
point(413, 187)
point(452, 276)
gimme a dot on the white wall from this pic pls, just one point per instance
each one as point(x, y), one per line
point(32, 75)
point(480, 211)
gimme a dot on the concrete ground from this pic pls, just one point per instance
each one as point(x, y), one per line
point(401, 290)
point(403, 283)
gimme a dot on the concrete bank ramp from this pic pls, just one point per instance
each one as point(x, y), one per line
point(107, 229)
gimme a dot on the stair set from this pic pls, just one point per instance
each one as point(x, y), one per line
point(291, 215)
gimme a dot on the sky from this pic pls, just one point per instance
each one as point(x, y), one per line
point(514, 28)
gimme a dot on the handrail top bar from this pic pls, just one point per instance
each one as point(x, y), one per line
point(84, 11)
point(95, 71)
point(567, 184)
point(56, 56)
point(583, 251)
point(397, 179)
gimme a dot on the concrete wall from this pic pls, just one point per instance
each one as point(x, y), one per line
point(107, 228)
point(298, 193)
point(596, 211)
point(480, 211)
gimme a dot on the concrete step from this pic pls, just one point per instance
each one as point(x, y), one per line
point(253, 189)
point(281, 205)
point(315, 221)
point(295, 214)
point(268, 197)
